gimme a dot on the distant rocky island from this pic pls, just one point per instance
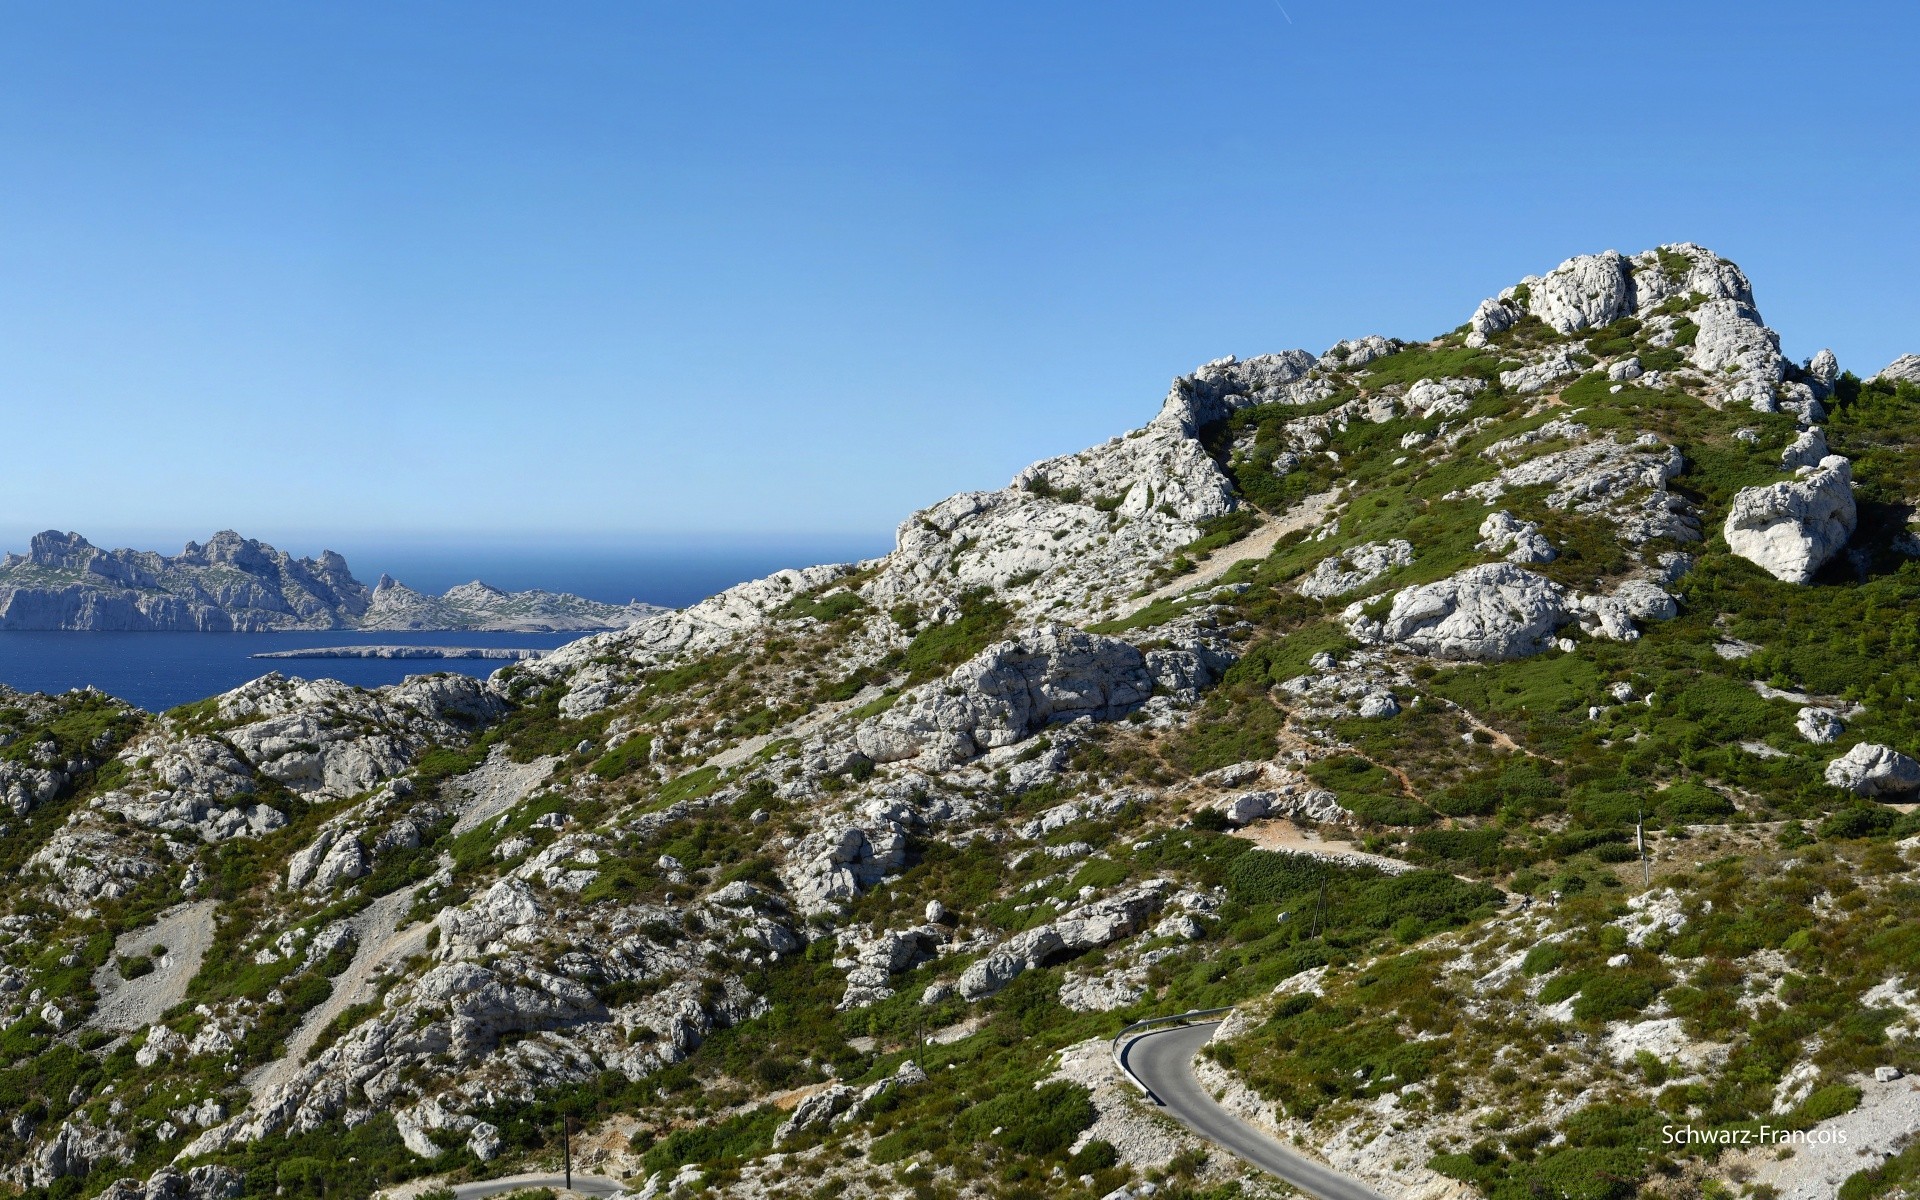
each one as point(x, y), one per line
point(234, 584)
point(502, 653)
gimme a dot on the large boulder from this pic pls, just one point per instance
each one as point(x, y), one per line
point(1808, 449)
point(1791, 529)
point(1520, 541)
point(1873, 770)
point(1492, 611)
point(1734, 341)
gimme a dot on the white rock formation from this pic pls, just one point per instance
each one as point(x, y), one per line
point(1355, 567)
point(1807, 449)
point(1905, 369)
point(1078, 929)
point(1791, 529)
point(1492, 611)
point(1016, 687)
point(1520, 541)
point(1819, 725)
point(1874, 770)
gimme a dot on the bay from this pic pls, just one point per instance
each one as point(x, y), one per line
point(157, 671)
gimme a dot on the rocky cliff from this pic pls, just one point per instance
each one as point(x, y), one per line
point(236, 584)
point(1342, 691)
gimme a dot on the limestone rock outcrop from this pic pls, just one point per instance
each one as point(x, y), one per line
point(1875, 771)
point(1791, 529)
point(1011, 690)
point(1340, 573)
point(1905, 369)
point(1074, 931)
point(1519, 541)
point(1492, 611)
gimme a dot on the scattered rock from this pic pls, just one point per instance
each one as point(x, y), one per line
point(1520, 541)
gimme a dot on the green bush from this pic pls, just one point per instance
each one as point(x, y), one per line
point(1858, 821)
point(1691, 804)
point(738, 1137)
point(1615, 993)
point(625, 758)
point(938, 649)
point(1038, 1121)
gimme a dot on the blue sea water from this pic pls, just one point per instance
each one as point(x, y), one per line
point(159, 670)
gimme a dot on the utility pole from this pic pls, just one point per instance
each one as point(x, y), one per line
point(566, 1146)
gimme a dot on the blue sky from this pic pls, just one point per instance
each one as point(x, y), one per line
point(336, 272)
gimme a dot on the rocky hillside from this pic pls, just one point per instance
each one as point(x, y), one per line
point(1337, 693)
point(236, 584)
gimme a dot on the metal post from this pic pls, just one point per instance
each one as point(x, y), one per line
point(1640, 835)
point(566, 1146)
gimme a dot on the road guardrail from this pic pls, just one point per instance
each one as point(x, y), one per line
point(1119, 1059)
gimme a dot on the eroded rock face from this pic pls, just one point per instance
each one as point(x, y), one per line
point(1623, 481)
point(1807, 449)
point(1519, 541)
point(170, 1183)
point(1355, 568)
point(1906, 369)
point(1583, 292)
point(1078, 929)
point(1009, 691)
point(1492, 611)
point(1875, 771)
point(1790, 530)
point(1820, 726)
point(1591, 290)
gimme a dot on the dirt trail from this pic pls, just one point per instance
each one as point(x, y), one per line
point(1256, 545)
point(1282, 834)
point(127, 1005)
point(378, 944)
point(495, 786)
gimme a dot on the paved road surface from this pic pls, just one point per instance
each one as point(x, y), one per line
point(586, 1185)
point(1163, 1060)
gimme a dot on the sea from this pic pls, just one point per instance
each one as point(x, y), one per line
point(157, 671)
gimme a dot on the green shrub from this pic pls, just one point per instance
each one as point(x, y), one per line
point(738, 1137)
point(1691, 804)
point(1858, 821)
point(1038, 1121)
point(625, 758)
point(1826, 1103)
point(938, 649)
point(1614, 993)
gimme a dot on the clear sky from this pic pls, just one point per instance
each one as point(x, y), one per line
point(330, 272)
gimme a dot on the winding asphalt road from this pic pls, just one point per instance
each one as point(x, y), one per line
point(1163, 1060)
point(586, 1185)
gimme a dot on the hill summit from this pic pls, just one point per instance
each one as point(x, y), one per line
point(1515, 730)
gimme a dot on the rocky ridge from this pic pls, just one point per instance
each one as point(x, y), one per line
point(819, 883)
point(236, 584)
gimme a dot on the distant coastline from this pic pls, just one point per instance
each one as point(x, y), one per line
point(507, 653)
point(233, 584)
